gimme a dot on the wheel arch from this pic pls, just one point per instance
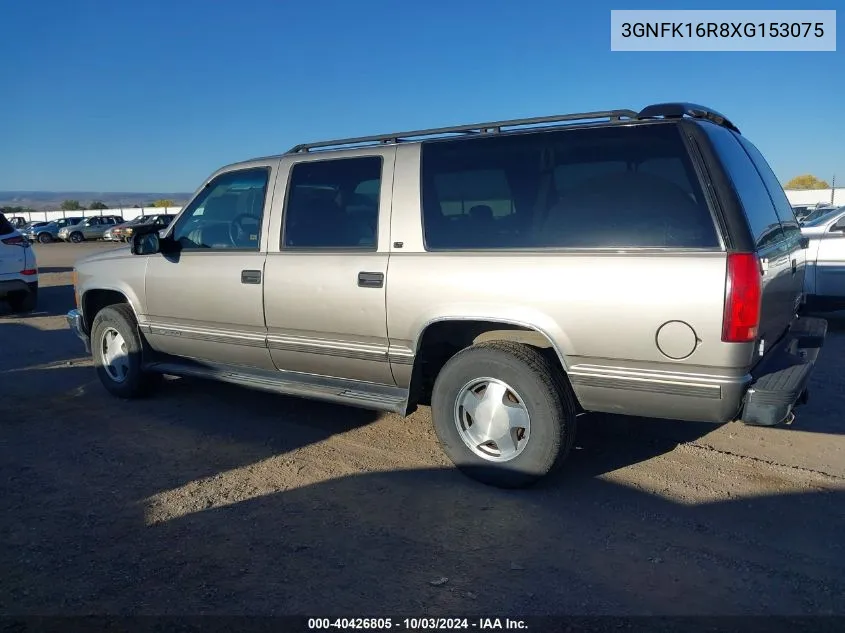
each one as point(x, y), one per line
point(442, 337)
point(94, 300)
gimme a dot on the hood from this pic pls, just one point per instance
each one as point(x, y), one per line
point(813, 230)
point(103, 256)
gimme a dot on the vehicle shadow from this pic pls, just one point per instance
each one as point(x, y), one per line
point(822, 414)
point(35, 362)
point(52, 301)
point(215, 499)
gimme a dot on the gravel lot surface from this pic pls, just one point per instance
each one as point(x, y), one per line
point(213, 499)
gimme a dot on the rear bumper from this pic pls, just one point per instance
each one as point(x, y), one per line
point(77, 326)
point(779, 381)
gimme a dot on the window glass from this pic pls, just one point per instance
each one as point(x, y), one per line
point(784, 210)
point(752, 192)
point(333, 204)
point(227, 213)
point(608, 187)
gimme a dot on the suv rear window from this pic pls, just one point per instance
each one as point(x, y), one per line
point(748, 183)
point(5, 226)
point(607, 187)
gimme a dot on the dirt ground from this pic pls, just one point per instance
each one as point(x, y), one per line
point(214, 499)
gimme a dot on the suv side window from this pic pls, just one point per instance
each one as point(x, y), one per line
point(782, 206)
point(753, 194)
point(227, 214)
point(333, 204)
point(608, 187)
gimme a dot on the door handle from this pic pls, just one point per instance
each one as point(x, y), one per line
point(250, 276)
point(794, 266)
point(370, 280)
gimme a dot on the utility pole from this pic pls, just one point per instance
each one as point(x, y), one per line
point(832, 188)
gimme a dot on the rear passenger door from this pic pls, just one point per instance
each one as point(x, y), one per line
point(326, 268)
point(774, 248)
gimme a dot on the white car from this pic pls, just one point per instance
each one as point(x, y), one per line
point(824, 281)
point(18, 269)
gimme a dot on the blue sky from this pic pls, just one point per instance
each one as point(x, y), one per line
point(153, 95)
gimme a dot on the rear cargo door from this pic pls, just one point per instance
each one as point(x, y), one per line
point(775, 249)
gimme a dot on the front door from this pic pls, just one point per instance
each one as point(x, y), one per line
point(204, 300)
point(326, 270)
point(92, 228)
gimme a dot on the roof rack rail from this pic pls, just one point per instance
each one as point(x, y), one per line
point(493, 127)
point(681, 109)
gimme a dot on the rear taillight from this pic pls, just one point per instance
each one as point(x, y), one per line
point(742, 298)
point(17, 240)
point(29, 271)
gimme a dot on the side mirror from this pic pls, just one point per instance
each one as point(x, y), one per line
point(145, 244)
point(805, 242)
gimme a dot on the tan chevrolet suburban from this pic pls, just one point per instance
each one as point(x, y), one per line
point(511, 274)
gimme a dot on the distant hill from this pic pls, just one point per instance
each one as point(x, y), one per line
point(52, 200)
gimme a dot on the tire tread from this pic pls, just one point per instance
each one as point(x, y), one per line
point(560, 400)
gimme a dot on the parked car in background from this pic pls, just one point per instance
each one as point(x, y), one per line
point(18, 222)
point(49, 231)
point(114, 234)
point(801, 211)
point(31, 224)
point(824, 283)
point(817, 212)
point(159, 221)
point(513, 276)
point(18, 269)
point(91, 228)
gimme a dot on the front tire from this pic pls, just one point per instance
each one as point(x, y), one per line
point(45, 238)
point(117, 349)
point(76, 237)
point(504, 414)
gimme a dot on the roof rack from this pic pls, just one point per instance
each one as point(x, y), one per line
point(681, 109)
point(493, 127)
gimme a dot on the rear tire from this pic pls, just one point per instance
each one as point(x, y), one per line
point(535, 392)
point(26, 301)
point(76, 237)
point(117, 349)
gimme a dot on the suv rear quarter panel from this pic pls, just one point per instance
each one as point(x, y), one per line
point(601, 311)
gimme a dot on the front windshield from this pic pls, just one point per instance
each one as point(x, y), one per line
point(822, 217)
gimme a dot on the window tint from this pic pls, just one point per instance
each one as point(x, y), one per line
point(752, 192)
point(784, 210)
point(227, 213)
point(605, 187)
point(333, 204)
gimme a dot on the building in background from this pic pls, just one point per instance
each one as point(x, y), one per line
point(834, 196)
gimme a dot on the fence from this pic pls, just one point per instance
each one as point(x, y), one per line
point(126, 213)
point(796, 197)
point(815, 196)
